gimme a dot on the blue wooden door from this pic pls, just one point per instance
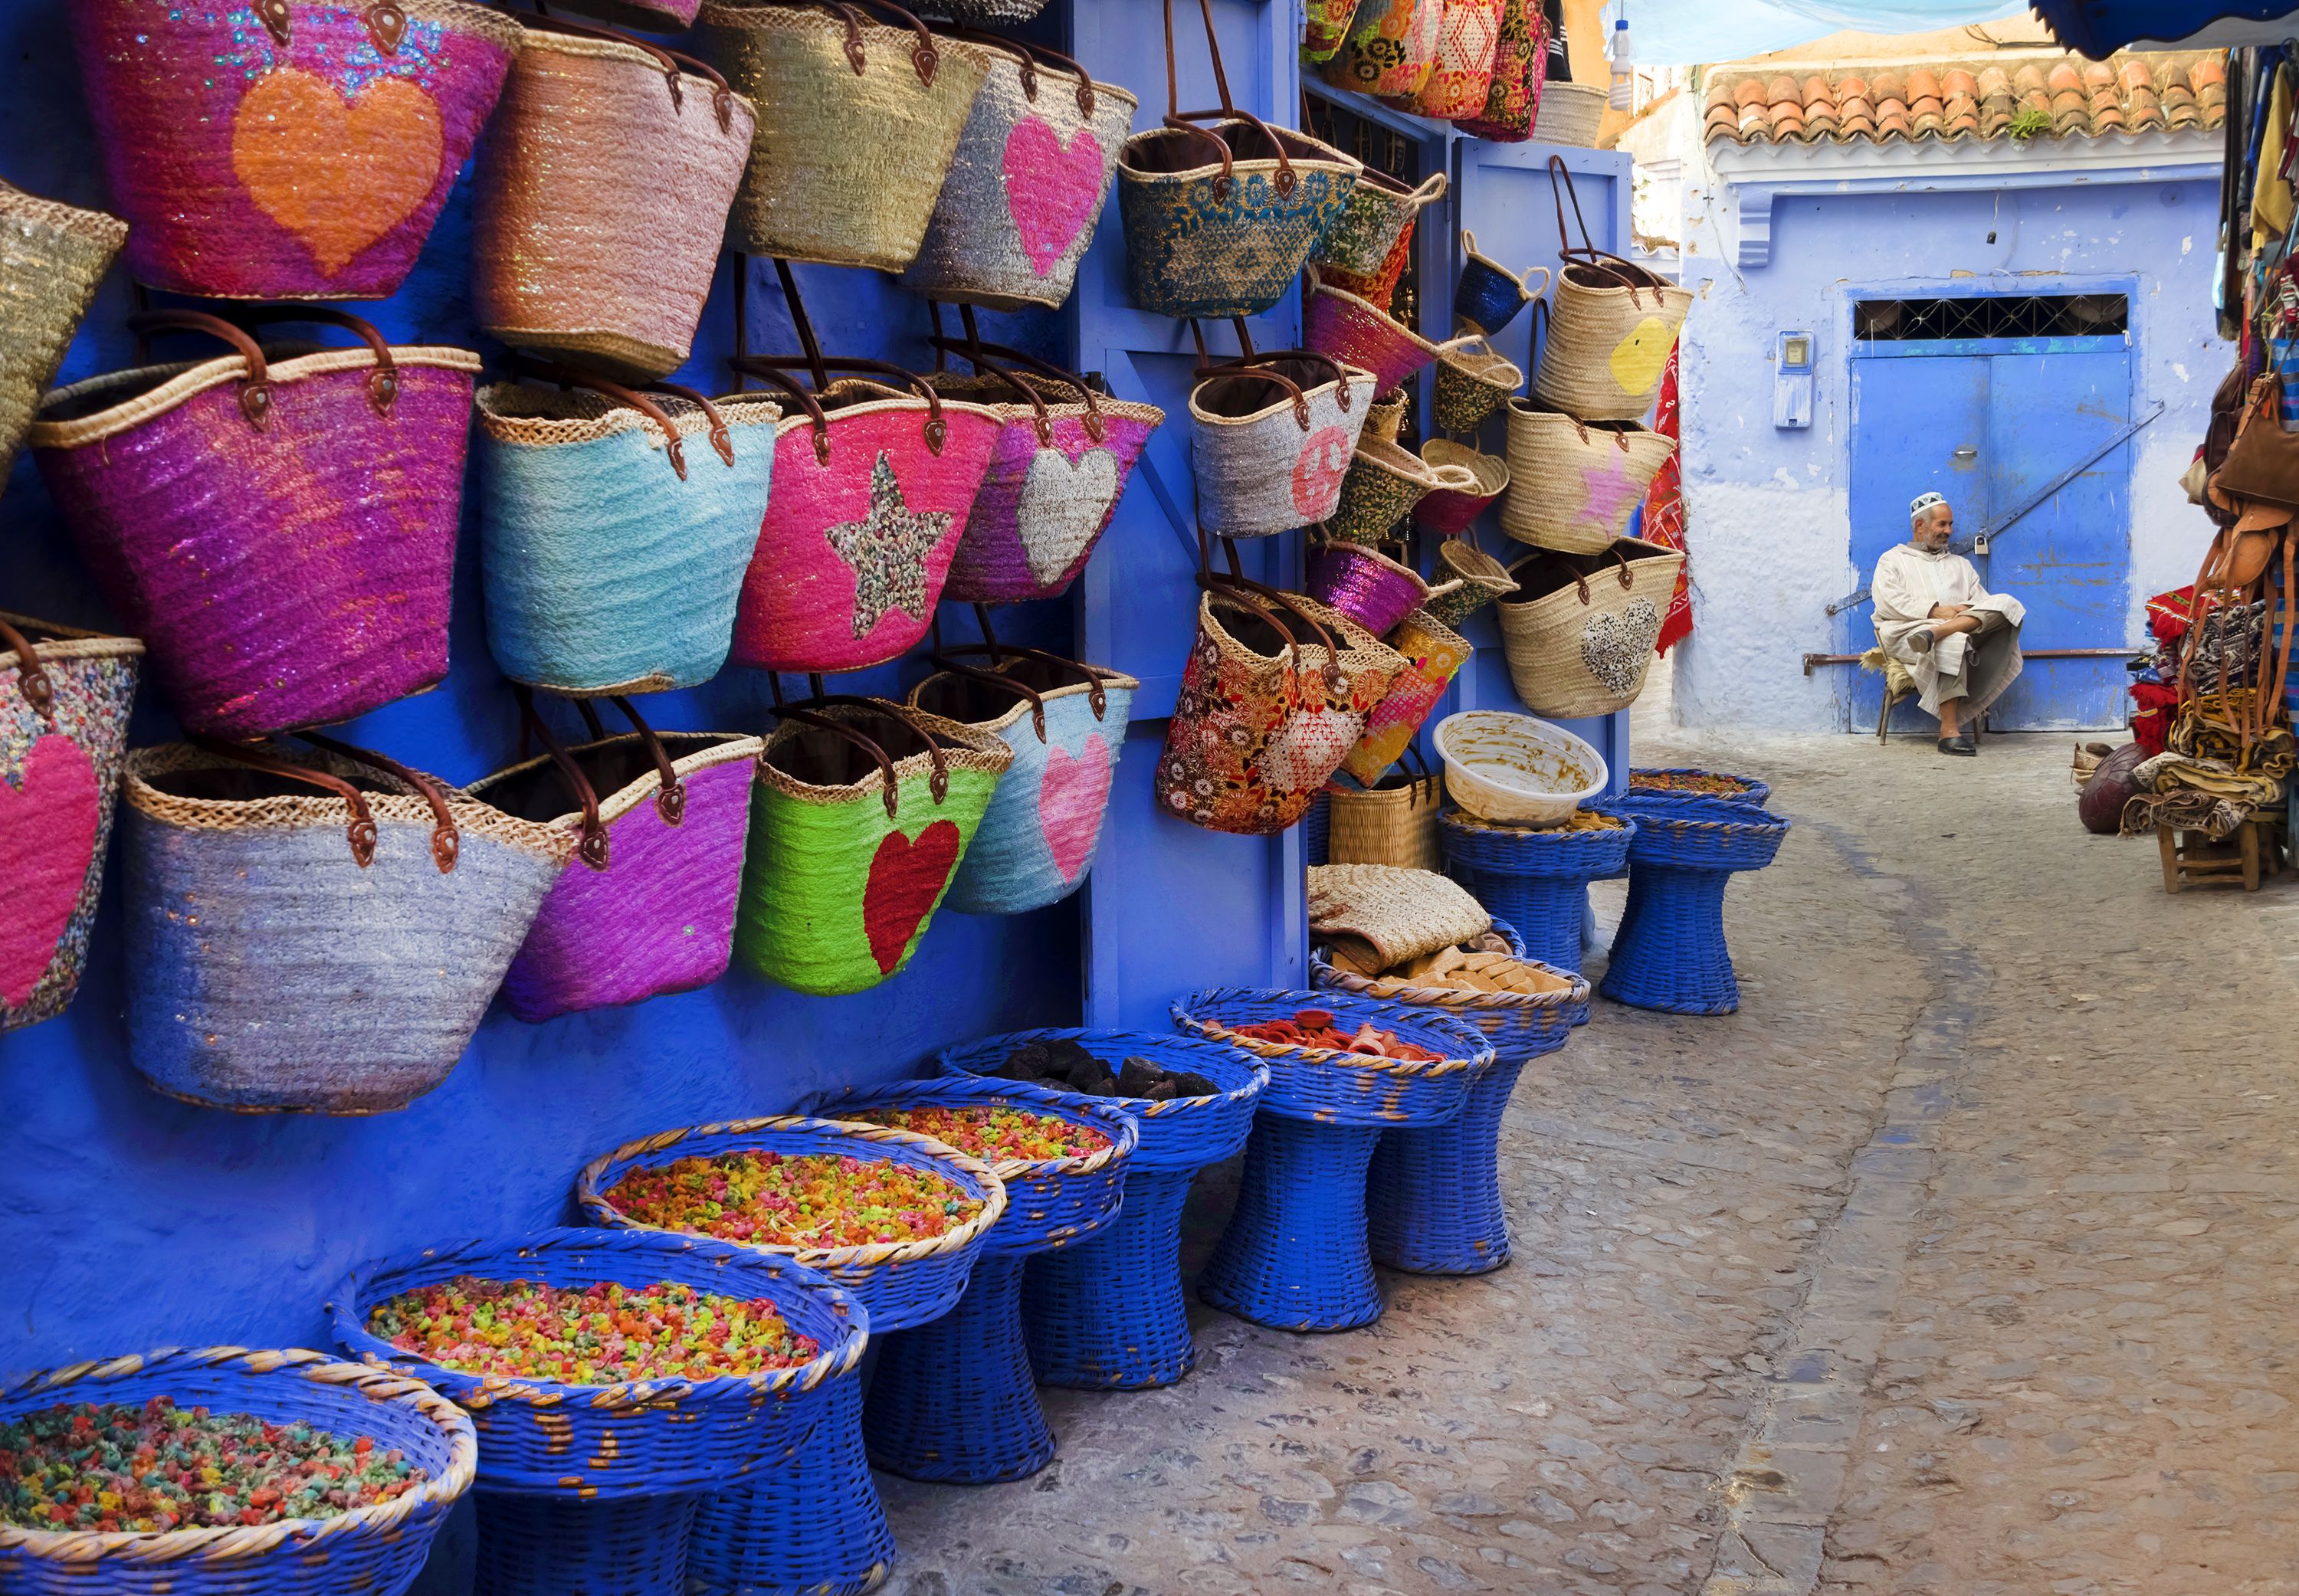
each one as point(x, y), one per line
point(2069, 559)
point(1184, 907)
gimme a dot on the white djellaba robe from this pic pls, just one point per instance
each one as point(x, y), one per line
point(1976, 668)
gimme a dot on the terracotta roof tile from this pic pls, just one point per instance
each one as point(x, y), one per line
point(1948, 101)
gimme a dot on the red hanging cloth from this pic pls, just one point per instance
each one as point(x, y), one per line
point(1664, 511)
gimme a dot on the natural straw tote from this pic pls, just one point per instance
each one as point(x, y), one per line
point(380, 1548)
point(815, 1524)
point(647, 904)
point(1277, 689)
point(281, 533)
point(1344, 327)
point(314, 164)
point(1391, 820)
point(1390, 49)
point(1434, 654)
point(602, 196)
point(52, 257)
point(1377, 288)
point(1570, 114)
point(1362, 583)
point(1271, 440)
point(1033, 165)
point(1062, 460)
point(872, 488)
point(1482, 579)
point(1219, 219)
point(615, 530)
point(595, 1487)
point(1386, 419)
point(417, 910)
point(854, 839)
point(1384, 485)
point(1488, 295)
point(1066, 724)
point(1575, 484)
point(1474, 380)
point(1380, 210)
point(1463, 75)
point(64, 697)
point(1454, 504)
point(858, 122)
point(1519, 66)
point(1579, 633)
point(1612, 324)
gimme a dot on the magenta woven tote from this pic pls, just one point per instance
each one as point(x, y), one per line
point(287, 149)
point(281, 534)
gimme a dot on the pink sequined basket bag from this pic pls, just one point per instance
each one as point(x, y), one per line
point(286, 149)
point(63, 730)
point(280, 532)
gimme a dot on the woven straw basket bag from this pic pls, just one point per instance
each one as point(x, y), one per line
point(1275, 692)
point(1520, 65)
point(1433, 654)
point(602, 196)
point(52, 257)
point(1272, 442)
point(610, 564)
point(647, 905)
point(1391, 50)
point(1394, 822)
point(1569, 114)
point(1038, 837)
point(1612, 324)
point(1579, 633)
point(1574, 485)
point(247, 1004)
point(1026, 185)
point(1385, 482)
point(1328, 28)
point(314, 167)
point(1474, 380)
point(1380, 210)
point(1462, 78)
point(1482, 578)
point(1349, 327)
point(852, 848)
point(280, 532)
point(856, 125)
point(1468, 481)
point(1364, 583)
point(64, 697)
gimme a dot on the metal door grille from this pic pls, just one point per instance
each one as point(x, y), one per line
point(1992, 316)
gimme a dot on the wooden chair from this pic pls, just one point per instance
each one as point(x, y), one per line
point(1897, 685)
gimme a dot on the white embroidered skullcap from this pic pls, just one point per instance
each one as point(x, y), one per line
point(1924, 501)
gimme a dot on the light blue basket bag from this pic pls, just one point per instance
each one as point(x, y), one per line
point(615, 529)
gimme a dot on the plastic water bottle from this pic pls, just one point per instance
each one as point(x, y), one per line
point(1624, 76)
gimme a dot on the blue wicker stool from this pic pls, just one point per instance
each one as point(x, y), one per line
point(1109, 1313)
point(814, 1524)
point(1433, 1193)
point(954, 1400)
point(594, 1489)
point(1669, 952)
point(1537, 881)
point(377, 1549)
point(1295, 1255)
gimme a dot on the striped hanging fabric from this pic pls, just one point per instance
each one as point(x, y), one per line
point(1663, 522)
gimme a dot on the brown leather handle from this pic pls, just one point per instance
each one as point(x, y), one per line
point(1097, 692)
point(382, 382)
point(1043, 418)
point(754, 366)
point(937, 428)
point(362, 830)
point(594, 850)
point(1030, 53)
point(386, 23)
point(944, 658)
point(721, 439)
point(1184, 121)
point(855, 735)
point(924, 58)
point(671, 61)
point(938, 778)
point(568, 378)
point(254, 389)
point(446, 837)
point(1097, 427)
point(1623, 271)
point(31, 675)
point(1300, 400)
point(670, 792)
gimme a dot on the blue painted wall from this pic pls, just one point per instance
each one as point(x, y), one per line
point(128, 1220)
point(1770, 509)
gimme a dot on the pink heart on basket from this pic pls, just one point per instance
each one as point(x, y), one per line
point(1050, 191)
point(48, 823)
point(1309, 749)
point(1070, 804)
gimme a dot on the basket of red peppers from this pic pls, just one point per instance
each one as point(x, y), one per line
point(1344, 1059)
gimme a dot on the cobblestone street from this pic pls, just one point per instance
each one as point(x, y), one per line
point(1951, 1264)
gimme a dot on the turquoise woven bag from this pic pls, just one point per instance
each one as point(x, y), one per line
point(615, 530)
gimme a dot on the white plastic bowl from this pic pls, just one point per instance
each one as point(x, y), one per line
point(1501, 765)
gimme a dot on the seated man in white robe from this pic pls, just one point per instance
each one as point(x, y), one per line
point(1960, 642)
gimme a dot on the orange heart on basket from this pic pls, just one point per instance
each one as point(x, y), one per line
point(338, 174)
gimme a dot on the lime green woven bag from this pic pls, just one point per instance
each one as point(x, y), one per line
point(858, 819)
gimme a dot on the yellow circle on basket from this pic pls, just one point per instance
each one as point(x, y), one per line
point(1637, 358)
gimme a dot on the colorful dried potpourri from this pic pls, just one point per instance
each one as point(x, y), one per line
point(803, 1200)
point(1688, 781)
point(599, 1335)
point(995, 1133)
point(119, 1468)
point(1316, 1028)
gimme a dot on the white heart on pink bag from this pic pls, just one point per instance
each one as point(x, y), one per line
point(1064, 504)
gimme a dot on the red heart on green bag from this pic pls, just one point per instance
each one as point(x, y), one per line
point(907, 876)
